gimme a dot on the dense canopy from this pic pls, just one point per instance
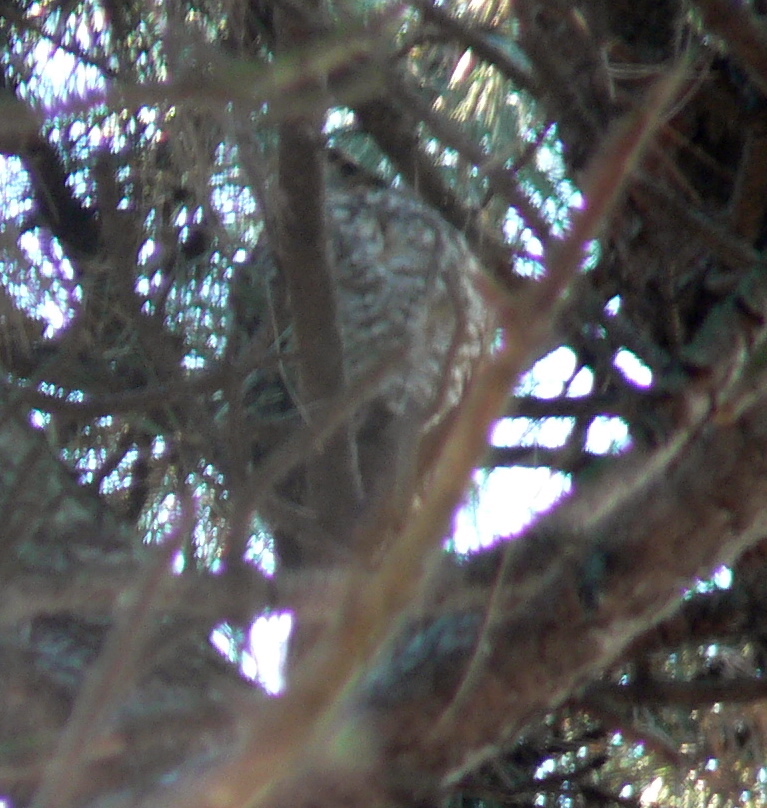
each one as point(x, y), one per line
point(271, 274)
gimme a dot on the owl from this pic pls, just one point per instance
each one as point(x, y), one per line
point(410, 315)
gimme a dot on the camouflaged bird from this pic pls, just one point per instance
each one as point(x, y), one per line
point(410, 314)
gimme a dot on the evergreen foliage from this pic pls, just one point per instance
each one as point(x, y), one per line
point(271, 271)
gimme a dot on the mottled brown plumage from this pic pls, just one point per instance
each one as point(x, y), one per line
point(406, 281)
point(410, 313)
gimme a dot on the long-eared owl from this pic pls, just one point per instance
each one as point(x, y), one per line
point(409, 306)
